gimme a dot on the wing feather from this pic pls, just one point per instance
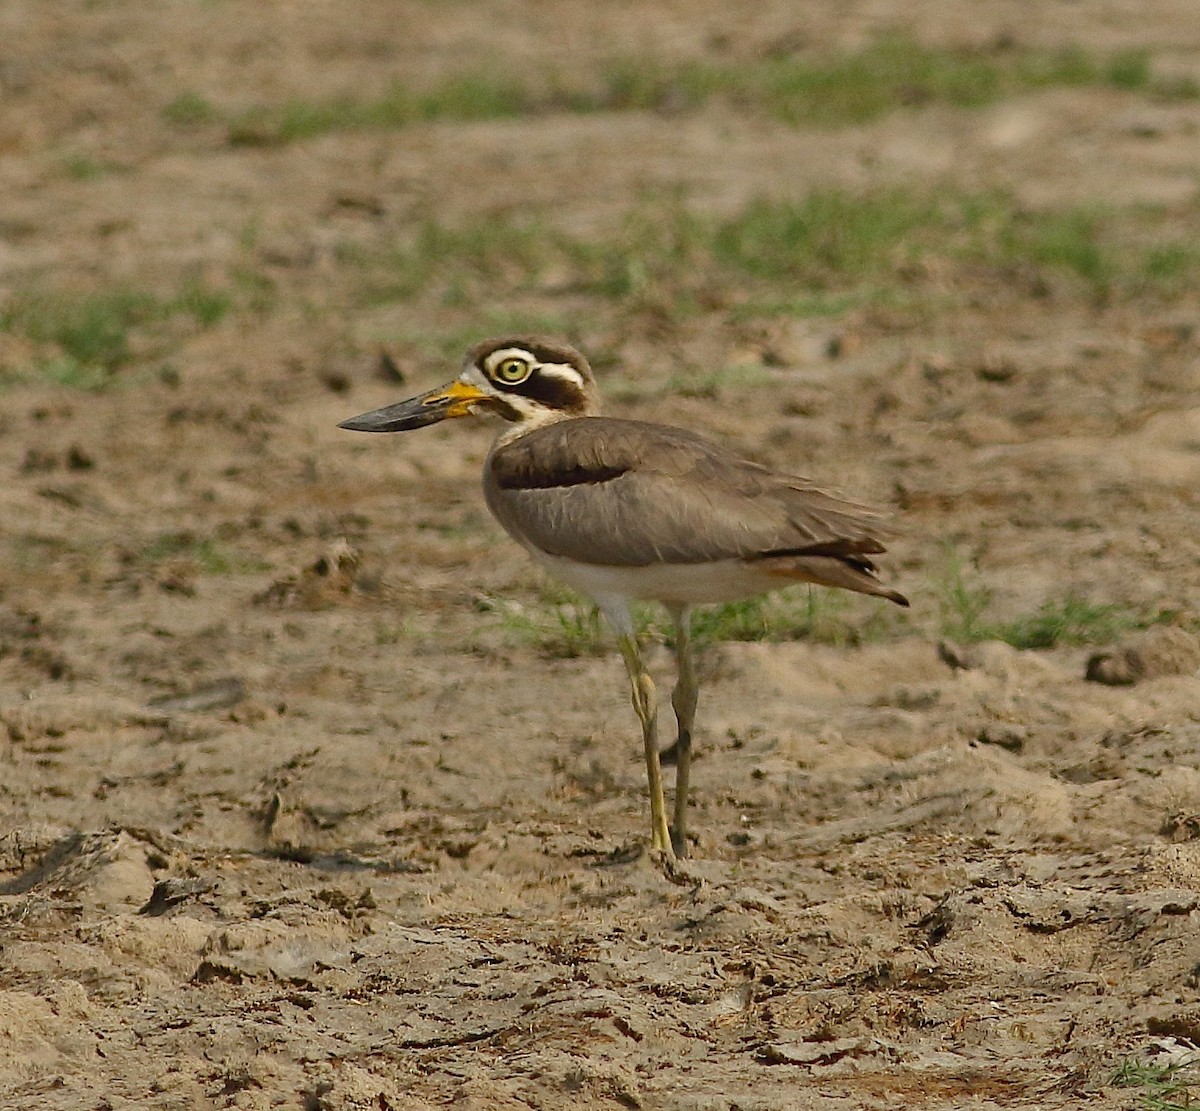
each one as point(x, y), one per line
point(625, 493)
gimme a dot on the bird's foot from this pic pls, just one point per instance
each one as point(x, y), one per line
point(662, 843)
point(677, 871)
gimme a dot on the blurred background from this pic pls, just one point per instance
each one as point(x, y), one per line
point(929, 227)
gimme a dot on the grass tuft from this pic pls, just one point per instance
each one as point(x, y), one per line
point(1159, 1087)
point(963, 603)
point(1073, 620)
point(83, 167)
point(87, 338)
point(204, 554)
point(460, 98)
point(562, 626)
point(567, 626)
point(1069, 240)
point(712, 384)
point(91, 330)
point(828, 234)
point(858, 87)
point(205, 304)
point(1129, 69)
point(810, 613)
point(189, 109)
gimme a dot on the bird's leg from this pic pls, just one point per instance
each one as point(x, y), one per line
point(683, 699)
point(645, 704)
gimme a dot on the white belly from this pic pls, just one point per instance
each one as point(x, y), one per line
point(687, 584)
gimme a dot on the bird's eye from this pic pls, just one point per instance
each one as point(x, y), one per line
point(512, 371)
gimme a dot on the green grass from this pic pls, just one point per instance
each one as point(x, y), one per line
point(92, 329)
point(85, 338)
point(205, 554)
point(835, 248)
point(801, 613)
point(823, 253)
point(206, 305)
point(189, 109)
point(964, 602)
point(830, 90)
point(712, 384)
point(895, 71)
point(827, 234)
point(809, 305)
point(485, 254)
point(562, 624)
point(1072, 620)
point(69, 372)
point(253, 290)
point(394, 632)
point(1070, 240)
point(1159, 1087)
point(467, 97)
point(833, 91)
point(83, 167)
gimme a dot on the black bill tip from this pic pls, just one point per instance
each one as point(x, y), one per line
point(417, 412)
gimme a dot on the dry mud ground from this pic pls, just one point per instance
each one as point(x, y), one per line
point(288, 817)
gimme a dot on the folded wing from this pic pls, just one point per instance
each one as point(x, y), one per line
point(624, 493)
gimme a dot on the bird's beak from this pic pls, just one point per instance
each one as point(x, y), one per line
point(455, 400)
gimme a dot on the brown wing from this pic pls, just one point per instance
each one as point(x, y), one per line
point(624, 493)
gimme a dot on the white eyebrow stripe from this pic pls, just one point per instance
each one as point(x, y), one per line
point(561, 370)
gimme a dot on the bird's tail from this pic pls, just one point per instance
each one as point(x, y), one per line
point(850, 572)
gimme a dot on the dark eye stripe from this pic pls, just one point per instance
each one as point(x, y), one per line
point(504, 410)
point(555, 393)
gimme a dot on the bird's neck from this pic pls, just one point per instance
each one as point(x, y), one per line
point(523, 427)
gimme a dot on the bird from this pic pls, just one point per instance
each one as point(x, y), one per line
point(627, 510)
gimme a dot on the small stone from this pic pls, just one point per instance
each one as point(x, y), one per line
point(1113, 669)
point(1162, 650)
point(78, 459)
point(388, 369)
point(1011, 738)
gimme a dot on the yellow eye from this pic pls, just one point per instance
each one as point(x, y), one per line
point(512, 371)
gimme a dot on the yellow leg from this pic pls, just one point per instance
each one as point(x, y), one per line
point(645, 704)
point(683, 699)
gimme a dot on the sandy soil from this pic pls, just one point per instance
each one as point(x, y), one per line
point(309, 828)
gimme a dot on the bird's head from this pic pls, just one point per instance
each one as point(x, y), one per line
point(525, 380)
